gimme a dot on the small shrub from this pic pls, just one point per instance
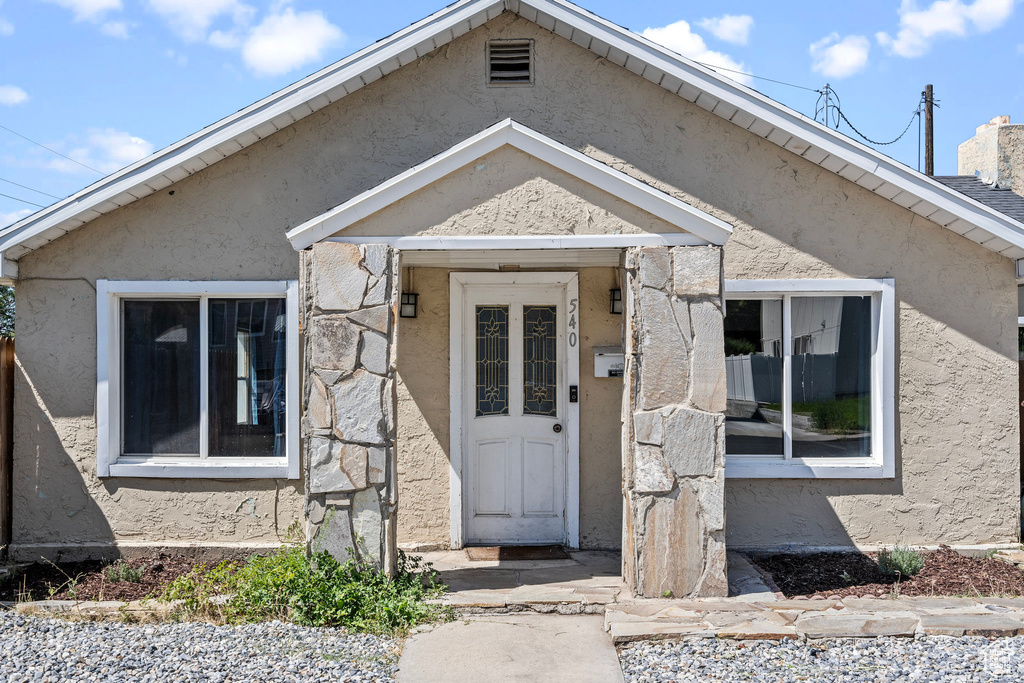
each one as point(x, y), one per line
point(312, 590)
point(122, 571)
point(900, 562)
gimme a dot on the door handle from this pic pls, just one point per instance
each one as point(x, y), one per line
point(557, 428)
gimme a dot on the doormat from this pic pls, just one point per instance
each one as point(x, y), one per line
point(516, 552)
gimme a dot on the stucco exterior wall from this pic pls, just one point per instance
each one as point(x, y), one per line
point(423, 414)
point(58, 499)
point(509, 192)
point(957, 453)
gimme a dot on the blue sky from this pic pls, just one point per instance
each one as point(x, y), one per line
point(107, 81)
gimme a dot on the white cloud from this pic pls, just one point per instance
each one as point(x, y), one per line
point(191, 19)
point(12, 95)
point(679, 38)
point(177, 57)
point(106, 150)
point(12, 217)
point(286, 40)
point(835, 58)
point(115, 29)
point(227, 40)
point(88, 9)
point(732, 28)
point(920, 27)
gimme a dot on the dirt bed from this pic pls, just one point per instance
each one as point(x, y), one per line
point(88, 581)
point(946, 573)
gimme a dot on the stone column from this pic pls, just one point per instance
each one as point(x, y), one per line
point(350, 301)
point(674, 423)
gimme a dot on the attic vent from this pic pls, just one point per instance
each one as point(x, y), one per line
point(510, 62)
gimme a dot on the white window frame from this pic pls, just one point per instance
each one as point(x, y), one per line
point(109, 461)
point(881, 464)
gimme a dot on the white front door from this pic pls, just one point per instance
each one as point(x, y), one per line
point(515, 403)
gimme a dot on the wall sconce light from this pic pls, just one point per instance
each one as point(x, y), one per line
point(407, 309)
point(616, 298)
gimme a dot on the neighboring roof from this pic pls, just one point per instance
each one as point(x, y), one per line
point(508, 132)
point(701, 85)
point(1001, 199)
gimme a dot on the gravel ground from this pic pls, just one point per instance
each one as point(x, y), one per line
point(934, 658)
point(49, 650)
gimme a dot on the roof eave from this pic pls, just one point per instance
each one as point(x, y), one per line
point(701, 85)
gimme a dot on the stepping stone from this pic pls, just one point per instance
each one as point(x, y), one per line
point(991, 625)
point(856, 625)
point(758, 629)
point(629, 631)
point(801, 605)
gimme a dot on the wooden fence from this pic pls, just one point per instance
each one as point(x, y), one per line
point(6, 439)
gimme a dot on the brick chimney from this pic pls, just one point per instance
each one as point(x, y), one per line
point(996, 153)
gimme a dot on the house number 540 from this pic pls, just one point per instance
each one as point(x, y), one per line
point(572, 323)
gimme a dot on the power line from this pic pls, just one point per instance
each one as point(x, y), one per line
point(763, 78)
point(26, 187)
point(50, 150)
point(875, 142)
point(23, 201)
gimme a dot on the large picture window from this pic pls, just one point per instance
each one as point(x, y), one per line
point(197, 379)
point(809, 368)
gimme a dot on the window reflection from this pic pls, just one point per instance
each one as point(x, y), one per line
point(831, 370)
point(753, 364)
point(160, 377)
point(247, 377)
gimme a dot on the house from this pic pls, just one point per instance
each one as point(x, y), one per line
point(377, 306)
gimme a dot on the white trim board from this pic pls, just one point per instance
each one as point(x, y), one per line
point(510, 133)
point(715, 92)
point(109, 460)
point(458, 282)
point(510, 242)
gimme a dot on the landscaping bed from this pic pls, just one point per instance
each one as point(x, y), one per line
point(945, 573)
point(94, 580)
point(286, 585)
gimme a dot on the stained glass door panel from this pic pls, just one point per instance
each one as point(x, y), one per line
point(540, 367)
point(491, 360)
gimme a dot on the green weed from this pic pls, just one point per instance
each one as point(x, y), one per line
point(315, 590)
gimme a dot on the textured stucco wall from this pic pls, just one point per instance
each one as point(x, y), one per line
point(957, 441)
point(423, 428)
point(998, 152)
point(57, 497)
point(509, 192)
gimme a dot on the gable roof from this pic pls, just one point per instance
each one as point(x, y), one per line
point(704, 226)
point(1002, 199)
point(701, 85)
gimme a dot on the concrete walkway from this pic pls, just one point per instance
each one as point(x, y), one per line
point(512, 647)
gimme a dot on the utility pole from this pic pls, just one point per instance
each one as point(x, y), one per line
point(929, 139)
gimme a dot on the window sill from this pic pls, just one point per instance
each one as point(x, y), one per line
point(826, 468)
point(274, 469)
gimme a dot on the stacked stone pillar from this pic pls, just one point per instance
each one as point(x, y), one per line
point(350, 297)
point(674, 423)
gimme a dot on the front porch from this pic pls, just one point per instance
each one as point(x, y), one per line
point(375, 398)
point(479, 415)
point(587, 582)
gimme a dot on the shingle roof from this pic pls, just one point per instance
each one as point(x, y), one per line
point(1001, 199)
